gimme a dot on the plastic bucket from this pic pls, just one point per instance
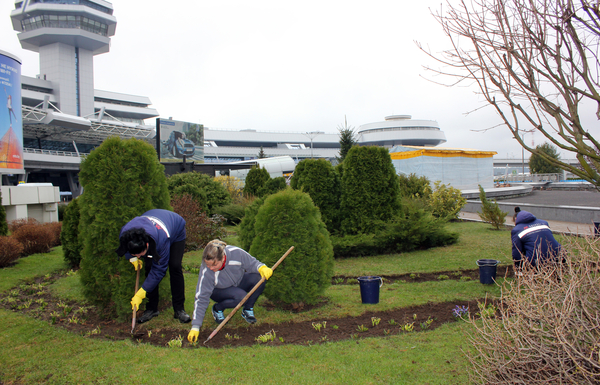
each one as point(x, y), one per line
point(369, 288)
point(487, 270)
point(597, 229)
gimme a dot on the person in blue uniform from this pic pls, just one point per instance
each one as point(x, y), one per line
point(157, 237)
point(532, 241)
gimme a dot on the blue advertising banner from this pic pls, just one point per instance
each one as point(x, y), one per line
point(179, 139)
point(11, 122)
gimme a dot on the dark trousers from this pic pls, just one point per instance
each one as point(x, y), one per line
point(176, 274)
point(230, 297)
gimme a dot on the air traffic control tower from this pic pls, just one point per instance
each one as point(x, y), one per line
point(66, 34)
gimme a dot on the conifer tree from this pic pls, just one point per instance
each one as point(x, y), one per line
point(69, 234)
point(490, 211)
point(370, 189)
point(121, 179)
point(289, 218)
point(318, 178)
point(255, 180)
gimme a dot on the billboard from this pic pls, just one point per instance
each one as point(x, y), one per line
point(11, 121)
point(179, 139)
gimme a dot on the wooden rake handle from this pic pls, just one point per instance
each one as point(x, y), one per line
point(214, 333)
point(137, 283)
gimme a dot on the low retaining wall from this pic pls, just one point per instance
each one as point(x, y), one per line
point(575, 214)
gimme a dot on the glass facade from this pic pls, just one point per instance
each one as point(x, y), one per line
point(87, 3)
point(64, 21)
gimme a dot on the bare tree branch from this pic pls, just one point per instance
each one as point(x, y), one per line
point(536, 63)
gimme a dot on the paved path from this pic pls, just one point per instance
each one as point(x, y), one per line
point(559, 198)
point(556, 226)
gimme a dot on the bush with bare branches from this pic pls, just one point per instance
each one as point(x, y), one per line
point(547, 329)
point(14, 225)
point(35, 238)
point(10, 250)
point(199, 227)
point(55, 229)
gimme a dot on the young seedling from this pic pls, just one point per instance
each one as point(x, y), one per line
point(74, 320)
point(324, 339)
point(443, 277)
point(176, 342)
point(317, 326)
point(335, 327)
point(362, 328)
point(386, 331)
point(54, 316)
point(264, 338)
point(393, 322)
point(486, 311)
point(375, 321)
point(149, 333)
point(425, 325)
point(280, 339)
point(409, 327)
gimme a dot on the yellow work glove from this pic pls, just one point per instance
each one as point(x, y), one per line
point(265, 271)
point(193, 335)
point(136, 262)
point(136, 301)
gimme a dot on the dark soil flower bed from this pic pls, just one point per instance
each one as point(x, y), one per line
point(35, 300)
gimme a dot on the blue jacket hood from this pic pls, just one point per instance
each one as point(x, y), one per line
point(524, 217)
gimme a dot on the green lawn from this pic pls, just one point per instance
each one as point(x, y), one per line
point(33, 351)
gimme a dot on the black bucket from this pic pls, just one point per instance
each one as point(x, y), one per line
point(596, 229)
point(487, 270)
point(369, 288)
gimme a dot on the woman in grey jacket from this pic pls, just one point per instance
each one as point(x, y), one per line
point(226, 276)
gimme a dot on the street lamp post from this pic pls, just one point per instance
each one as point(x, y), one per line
point(311, 136)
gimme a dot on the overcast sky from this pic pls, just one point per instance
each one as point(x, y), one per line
point(284, 66)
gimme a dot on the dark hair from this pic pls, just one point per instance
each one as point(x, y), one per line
point(135, 239)
point(517, 209)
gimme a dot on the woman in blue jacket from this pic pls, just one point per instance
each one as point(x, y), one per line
point(532, 239)
point(157, 236)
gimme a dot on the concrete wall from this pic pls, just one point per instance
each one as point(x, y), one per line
point(37, 202)
point(575, 214)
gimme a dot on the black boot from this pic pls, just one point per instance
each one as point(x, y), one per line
point(182, 316)
point(148, 315)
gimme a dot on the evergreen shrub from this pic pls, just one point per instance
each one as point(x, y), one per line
point(10, 250)
point(62, 207)
point(122, 179)
point(3, 223)
point(208, 192)
point(233, 212)
point(246, 231)
point(446, 201)
point(199, 228)
point(318, 178)
point(35, 238)
point(272, 185)
point(411, 229)
point(69, 235)
point(257, 177)
point(490, 211)
point(413, 186)
point(370, 189)
point(290, 218)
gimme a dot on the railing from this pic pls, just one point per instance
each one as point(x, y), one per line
point(531, 178)
point(52, 152)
